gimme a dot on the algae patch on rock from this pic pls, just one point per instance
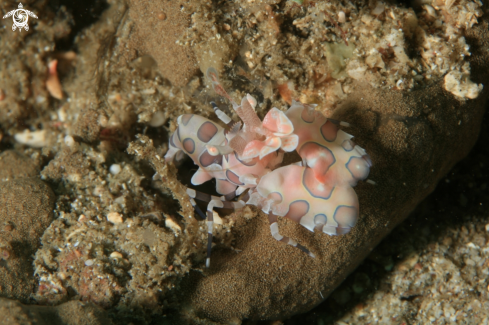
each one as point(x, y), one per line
point(336, 55)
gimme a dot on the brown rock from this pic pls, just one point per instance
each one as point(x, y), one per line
point(414, 138)
point(87, 126)
point(71, 165)
point(26, 207)
point(157, 37)
point(70, 313)
point(15, 165)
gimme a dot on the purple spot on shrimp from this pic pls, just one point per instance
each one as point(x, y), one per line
point(275, 196)
point(172, 143)
point(233, 178)
point(177, 131)
point(367, 159)
point(329, 130)
point(318, 157)
point(307, 115)
point(337, 122)
point(206, 131)
point(252, 163)
point(186, 118)
point(358, 168)
point(346, 217)
point(206, 159)
point(320, 219)
point(348, 145)
point(189, 145)
point(342, 231)
point(314, 186)
point(297, 210)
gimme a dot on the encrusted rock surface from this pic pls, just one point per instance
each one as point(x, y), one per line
point(26, 210)
point(158, 26)
point(16, 165)
point(69, 313)
point(26, 205)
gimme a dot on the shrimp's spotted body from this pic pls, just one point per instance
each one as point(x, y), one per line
point(316, 193)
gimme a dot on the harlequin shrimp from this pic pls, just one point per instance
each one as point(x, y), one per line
point(316, 192)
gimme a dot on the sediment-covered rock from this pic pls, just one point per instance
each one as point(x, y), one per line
point(15, 165)
point(414, 138)
point(26, 210)
point(70, 313)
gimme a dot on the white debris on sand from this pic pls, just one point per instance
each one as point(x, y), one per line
point(36, 139)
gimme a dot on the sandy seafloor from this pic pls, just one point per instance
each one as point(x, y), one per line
point(432, 269)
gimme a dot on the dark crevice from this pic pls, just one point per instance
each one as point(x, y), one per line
point(186, 169)
point(84, 13)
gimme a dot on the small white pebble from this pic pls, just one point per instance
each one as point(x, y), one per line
point(170, 223)
point(98, 191)
point(116, 255)
point(40, 99)
point(103, 121)
point(149, 91)
point(341, 17)
point(487, 227)
point(378, 9)
point(62, 115)
point(115, 169)
point(471, 245)
point(69, 141)
point(36, 139)
point(114, 217)
point(121, 201)
point(89, 262)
